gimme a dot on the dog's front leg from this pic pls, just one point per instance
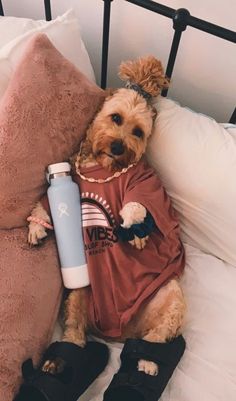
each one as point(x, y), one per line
point(134, 213)
point(36, 231)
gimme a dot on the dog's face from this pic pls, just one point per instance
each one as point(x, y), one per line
point(119, 132)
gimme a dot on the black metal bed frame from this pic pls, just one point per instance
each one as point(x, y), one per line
point(181, 19)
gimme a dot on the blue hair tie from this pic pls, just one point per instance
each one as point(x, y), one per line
point(138, 89)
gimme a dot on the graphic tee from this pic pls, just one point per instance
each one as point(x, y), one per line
point(122, 277)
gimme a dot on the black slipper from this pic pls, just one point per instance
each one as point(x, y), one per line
point(129, 384)
point(81, 366)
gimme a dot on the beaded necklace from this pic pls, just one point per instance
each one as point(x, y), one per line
point(99, 180)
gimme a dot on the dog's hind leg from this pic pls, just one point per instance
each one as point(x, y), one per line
point(76, 317)
point(165, 314)
point(129, 384)
point(157, 354)
point(75, 327)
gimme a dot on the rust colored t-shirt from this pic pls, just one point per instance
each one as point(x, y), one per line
point(122, 277)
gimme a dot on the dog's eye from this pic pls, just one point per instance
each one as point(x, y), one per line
point(116, 118)
point(138, 132)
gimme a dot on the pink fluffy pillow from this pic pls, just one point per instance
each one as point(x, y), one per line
point(30, 294)
point(43, 114)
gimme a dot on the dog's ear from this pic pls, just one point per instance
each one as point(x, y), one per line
point(109, 92)
point(72, 161)
point(154, 113)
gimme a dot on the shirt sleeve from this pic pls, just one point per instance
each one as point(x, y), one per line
point(145, 187)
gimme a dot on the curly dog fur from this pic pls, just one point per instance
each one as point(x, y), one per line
point(124, 111)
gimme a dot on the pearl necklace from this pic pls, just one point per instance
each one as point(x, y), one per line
point(99, 180)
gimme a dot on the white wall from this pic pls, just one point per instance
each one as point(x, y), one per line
point(205, 72)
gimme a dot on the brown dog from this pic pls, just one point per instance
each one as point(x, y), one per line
point(134, 290)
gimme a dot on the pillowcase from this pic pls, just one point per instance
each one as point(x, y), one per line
point(13, 27)
point(64, 33)
point(43, 115)
point(207, 368)
point(196, 160)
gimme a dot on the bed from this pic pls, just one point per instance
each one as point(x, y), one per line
point(196, 159)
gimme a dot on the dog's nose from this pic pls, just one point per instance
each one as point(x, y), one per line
point(117, 148)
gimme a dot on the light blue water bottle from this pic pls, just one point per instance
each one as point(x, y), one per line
point(64, 201)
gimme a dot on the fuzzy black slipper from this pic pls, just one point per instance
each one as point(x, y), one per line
point(129, 384)
point(81, 366)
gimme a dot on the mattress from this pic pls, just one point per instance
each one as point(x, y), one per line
point(207, 371)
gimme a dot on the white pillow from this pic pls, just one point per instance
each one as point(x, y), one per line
point(207, 369)
point(64, 33)
point(196, 160)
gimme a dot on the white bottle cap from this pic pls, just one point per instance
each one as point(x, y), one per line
point(59, 168)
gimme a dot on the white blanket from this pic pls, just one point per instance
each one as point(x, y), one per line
point(207, 371)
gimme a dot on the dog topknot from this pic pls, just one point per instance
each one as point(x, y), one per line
point(147, 73)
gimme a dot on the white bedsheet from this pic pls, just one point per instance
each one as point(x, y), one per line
point(207, 371)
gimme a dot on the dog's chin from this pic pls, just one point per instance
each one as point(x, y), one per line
point(111, 162)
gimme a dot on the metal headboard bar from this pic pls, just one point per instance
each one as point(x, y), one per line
point(181, 19)
point(179, 25)
point(47, 7)
point(194, 22)
point(233, 117)
point(105, 41)
point(1, 8)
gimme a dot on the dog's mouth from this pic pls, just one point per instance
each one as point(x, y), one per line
point(113, 162)
point(117, 161)
point(109, 155)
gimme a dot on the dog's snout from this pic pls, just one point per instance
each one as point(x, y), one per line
point(117, 148)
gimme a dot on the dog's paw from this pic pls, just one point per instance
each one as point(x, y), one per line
point(36, 233)
point(139, 243)
point(54, 366)
point(148, 367)
point(75, 335)
point(132, 213)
